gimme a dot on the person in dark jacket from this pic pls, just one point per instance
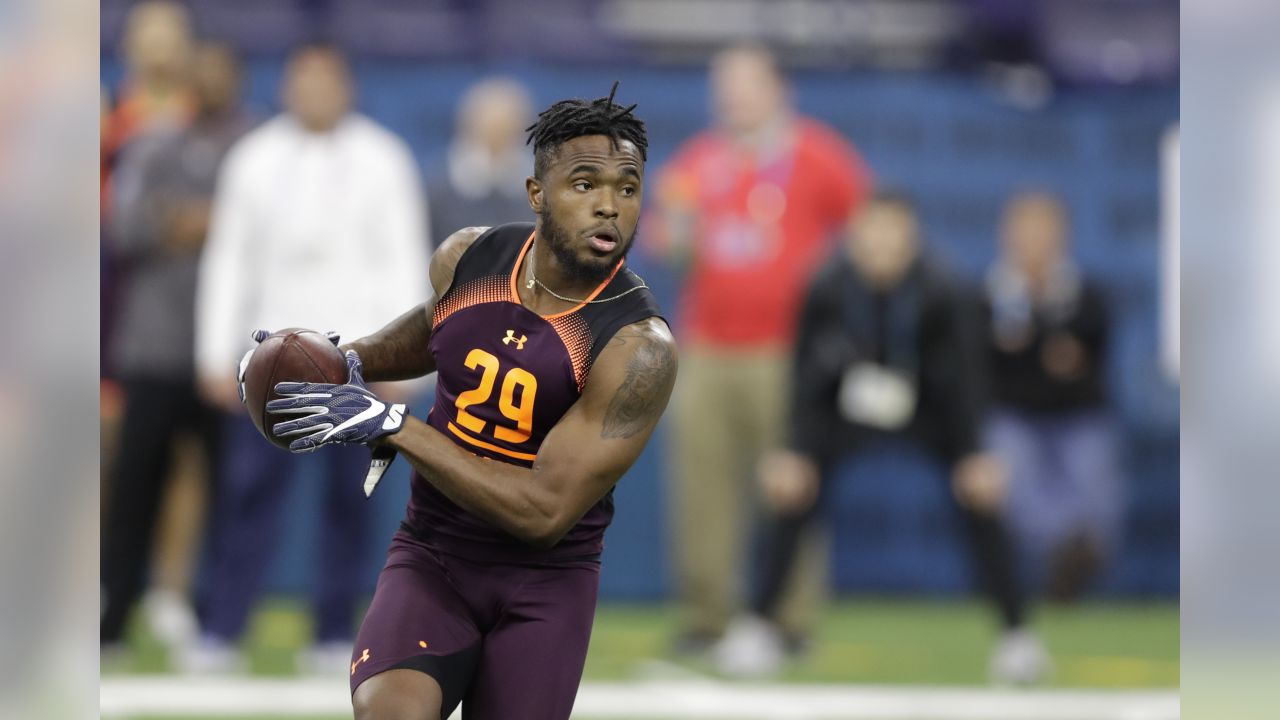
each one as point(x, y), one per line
point(889, 348)
point(1047, 345)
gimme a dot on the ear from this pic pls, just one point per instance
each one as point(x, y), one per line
point(533, 187)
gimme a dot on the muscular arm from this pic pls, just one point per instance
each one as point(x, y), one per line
point(399, 350)
point(582, 457)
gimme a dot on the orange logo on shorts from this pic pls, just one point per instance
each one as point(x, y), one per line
point(364, 657)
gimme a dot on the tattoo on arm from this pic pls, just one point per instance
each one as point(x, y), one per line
point(642, 395)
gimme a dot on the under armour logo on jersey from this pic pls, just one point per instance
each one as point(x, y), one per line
point(511, 338)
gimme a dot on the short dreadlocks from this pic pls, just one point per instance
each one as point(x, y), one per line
point(569, 119)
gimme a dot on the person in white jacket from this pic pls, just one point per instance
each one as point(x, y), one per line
point(318, 191)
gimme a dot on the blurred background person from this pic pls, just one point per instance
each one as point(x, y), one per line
point(745, 211)
point(154, 94)
point(156, 91)
point(888, 356)
point(1048, 341)
point(164, 186)
point(154, 98)
point(326, 188)
point(481, 181)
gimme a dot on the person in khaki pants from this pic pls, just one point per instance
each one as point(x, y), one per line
point(729, 406)
point(746, 210)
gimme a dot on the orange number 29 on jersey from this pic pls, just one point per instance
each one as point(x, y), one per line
point(519, 411)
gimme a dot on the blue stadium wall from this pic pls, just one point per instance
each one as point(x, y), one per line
point(959, 151)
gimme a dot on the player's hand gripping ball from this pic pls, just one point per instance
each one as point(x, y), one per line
point(293, 354)
point(348, 413)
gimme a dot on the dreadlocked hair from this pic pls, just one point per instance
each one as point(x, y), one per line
point(569, 119)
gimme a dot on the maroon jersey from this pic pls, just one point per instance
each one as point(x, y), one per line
point(505, 377)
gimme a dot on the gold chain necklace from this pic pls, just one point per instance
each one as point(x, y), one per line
point(533, 280)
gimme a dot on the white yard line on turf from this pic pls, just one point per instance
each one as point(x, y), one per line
point(659, 700)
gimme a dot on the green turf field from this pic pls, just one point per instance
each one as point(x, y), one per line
point(1111, 645)
point(876, 642)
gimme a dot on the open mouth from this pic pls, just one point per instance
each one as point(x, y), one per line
point(604, 241)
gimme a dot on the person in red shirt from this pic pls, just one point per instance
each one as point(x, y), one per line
point(746, 210)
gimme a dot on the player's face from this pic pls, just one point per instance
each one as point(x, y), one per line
point(589, 204)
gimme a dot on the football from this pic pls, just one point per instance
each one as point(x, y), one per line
point(291, 355)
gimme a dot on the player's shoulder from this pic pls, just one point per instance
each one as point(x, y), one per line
point(645, 348)
point(504, 239)
point(466, 242)
point(651, 336)
point(628, 300)
point(649, 330)
point(444, 261)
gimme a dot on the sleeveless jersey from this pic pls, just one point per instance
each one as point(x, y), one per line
point(505, 377)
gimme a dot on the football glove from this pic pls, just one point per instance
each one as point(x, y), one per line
point(348, 414)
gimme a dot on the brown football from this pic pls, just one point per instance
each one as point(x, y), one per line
point(291, 355)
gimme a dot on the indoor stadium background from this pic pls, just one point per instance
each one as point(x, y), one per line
point(959, 102)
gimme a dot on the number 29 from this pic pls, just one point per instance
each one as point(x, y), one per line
point(520, 412)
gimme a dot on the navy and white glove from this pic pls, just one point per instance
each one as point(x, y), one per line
point(258, 336)
point(348, 414)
